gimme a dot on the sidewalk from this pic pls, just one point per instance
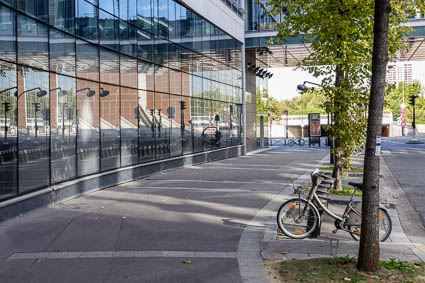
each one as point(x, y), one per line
point(207, 223)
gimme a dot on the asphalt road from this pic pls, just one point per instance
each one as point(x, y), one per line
point(407, 163)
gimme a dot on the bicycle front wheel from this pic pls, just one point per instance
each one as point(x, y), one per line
point(385, 227)
point(301, 142)
point(297, 219)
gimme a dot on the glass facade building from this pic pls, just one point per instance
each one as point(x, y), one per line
point(88, 86)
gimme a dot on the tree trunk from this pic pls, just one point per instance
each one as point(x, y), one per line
point(369, 240)
point(337, 172)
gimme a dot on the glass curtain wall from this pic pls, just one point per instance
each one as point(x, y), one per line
point(91, 86)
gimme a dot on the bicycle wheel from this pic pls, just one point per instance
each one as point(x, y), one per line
point(301, 142)
point(291, 142)
point(385, 227)
point(291, 221)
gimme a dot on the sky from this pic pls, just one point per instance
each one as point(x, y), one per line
point(284, 83)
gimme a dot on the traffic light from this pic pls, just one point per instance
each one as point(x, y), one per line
point(36, 107)
point(46, 114)
point(412, 99)
point(182, 105)
point(70, 114)
point(6, 106)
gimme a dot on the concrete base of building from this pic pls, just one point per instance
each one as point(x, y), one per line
point(58, 193)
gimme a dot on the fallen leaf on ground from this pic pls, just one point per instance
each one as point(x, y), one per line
point(423, 228)
point(347, 279)
point(283, 252)
point(102, 207)
point(187, 261)
point(124, 217)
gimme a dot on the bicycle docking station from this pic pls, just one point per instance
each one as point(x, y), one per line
point(324, 186)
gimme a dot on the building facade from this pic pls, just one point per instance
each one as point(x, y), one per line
point(90, 86)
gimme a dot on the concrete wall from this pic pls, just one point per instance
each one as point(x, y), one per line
point(218, 13)
point(251, 106)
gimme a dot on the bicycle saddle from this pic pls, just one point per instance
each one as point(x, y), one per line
point(357, 185)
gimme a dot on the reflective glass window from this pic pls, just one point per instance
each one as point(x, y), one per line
point(160, 50)
point(186, 84)
point(36, 8)
point(7, 34)
point(109, 66)
point(174, 56)
point(87, 60)
point(108, 30)
point(111, 6)
point(33, 129)
point(163, 28)
point(202, 123)
point(197, 36)
point(88, 161)
point(63, 123)
point(174, 117)
point(187, 27)
point(62, 14)
point(62, 53)
point(162, 79)
point(9, 2)
point(187, 125)
point(235, 124)
point(128, 71)
point(8, 130)
point(128, 10)
point(174, 22)
point(33, 43)
point(162, 123)
point(197, 86)
point(130, 116)
point(144, 15)
point(128, 38)
point(86, 21)
point(186, 59)
point(147, 126)
point(144, 45)
point(146, 75)
point(175, 82)
point(109, 127)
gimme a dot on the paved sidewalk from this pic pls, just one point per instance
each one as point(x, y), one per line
point(143, 231)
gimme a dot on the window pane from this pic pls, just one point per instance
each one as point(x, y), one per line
point(128, 71)
point(175, 117)
point(144, 15)
point(32, 43)
point(33, 129)
point(88, 127)
point(163, 29)
point(175, 82)
point(146, 76)
point(201, 118)
point(87, 61)
point(10, 2)
point(62, 53)
point(108, 30)
point(147, 126)
point(187, 27)
point(7, 34)
point(87, 20)
point(187, 131)
point(36, 8)
point(144, 45)
point(162, 125)
point(109, 66)
point(128, 40)
point(8, 131)
point(162, 79)
point(109, 127)
point(63, 105)
point(130, 116)
point(62, 14)
point(111, 6)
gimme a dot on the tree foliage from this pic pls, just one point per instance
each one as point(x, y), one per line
point(394, 97)
point(340, 34)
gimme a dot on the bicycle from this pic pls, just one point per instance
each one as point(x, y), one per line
point(299, 141)
point(299, 217)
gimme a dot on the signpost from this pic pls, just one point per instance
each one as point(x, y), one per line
point(403, 117)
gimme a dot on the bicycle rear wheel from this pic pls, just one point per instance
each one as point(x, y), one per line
point(291, 142)
point(385, 227)
point(297, 219)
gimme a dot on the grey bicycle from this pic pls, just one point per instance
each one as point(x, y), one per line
point(298, 218)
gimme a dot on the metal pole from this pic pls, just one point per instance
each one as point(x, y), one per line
point(243, 98)
point(414, 120)
point(261, 131)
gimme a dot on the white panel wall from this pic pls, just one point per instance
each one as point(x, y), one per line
point(220, 15)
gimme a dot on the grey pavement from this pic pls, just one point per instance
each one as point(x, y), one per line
point(143, 231)
point(220, 216)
